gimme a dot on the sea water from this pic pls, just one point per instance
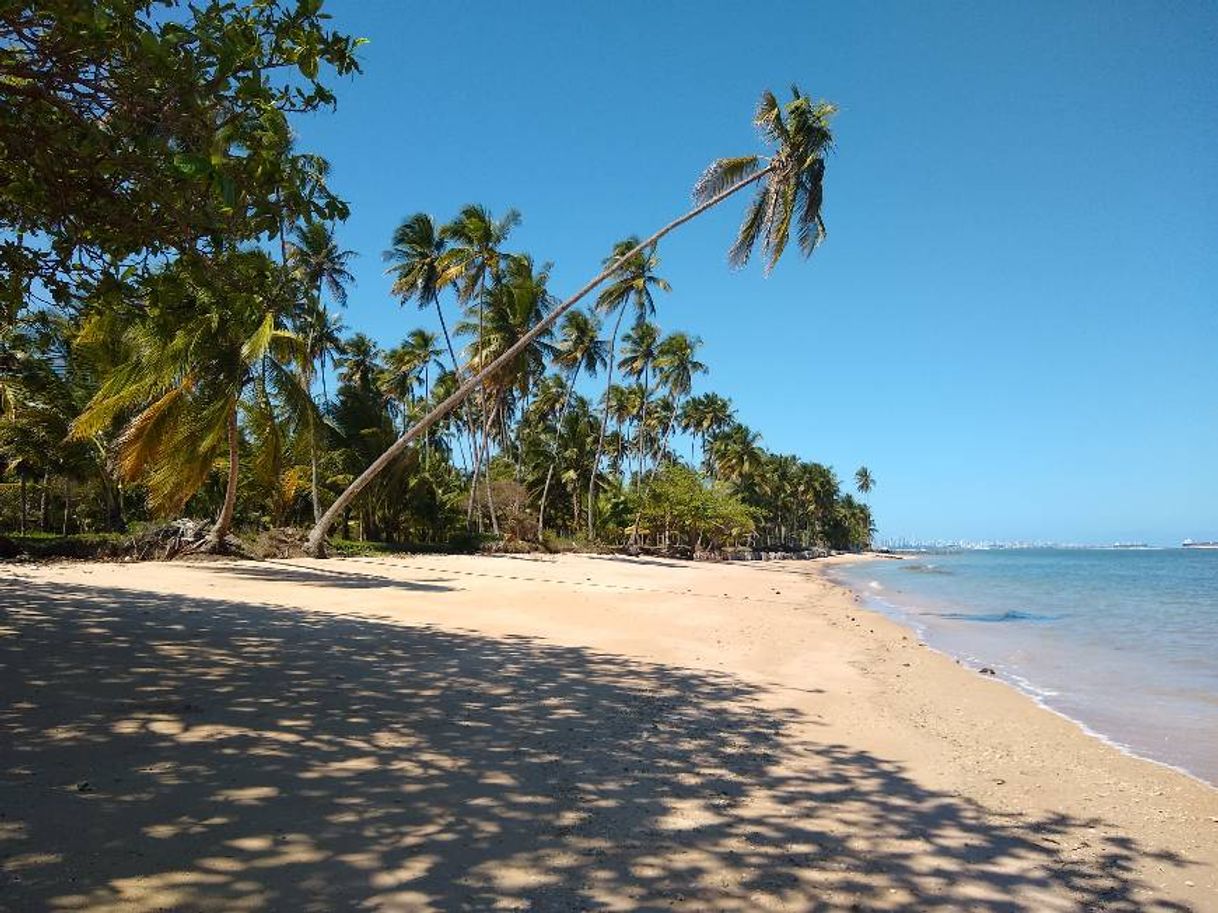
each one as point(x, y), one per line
point(1123, 641)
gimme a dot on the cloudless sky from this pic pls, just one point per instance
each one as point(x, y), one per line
point(1013, 321)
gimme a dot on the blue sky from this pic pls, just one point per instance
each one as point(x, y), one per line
point(1013, 321)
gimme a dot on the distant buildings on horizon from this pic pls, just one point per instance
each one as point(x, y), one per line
point(904, 544)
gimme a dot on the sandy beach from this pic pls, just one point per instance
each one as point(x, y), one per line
point(544, 733)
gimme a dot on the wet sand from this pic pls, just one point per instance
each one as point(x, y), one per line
point(539, 733)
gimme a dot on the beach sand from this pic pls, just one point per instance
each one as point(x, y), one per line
point(541, 733)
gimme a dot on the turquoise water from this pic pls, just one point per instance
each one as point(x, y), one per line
point(1123, 641)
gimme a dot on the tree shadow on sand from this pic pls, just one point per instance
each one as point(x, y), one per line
point(170, 753)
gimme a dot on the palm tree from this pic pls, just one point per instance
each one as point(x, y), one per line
point(737, 454)
point(321, 266)
point(580, 348)
point(676, 364)
point(359, 363)
point(188, 362)
point(863, 480)
point(475, 256)
point(705, 416)
point(421, 269)
point(639, 349)
point(319, 262)
point(633, 282)
point(791, 191)
point(417, 254)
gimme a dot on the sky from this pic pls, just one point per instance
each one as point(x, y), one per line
point(1014, 320)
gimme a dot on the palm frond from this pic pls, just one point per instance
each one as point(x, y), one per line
point(722, 174)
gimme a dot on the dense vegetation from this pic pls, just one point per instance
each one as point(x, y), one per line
point(172, 343)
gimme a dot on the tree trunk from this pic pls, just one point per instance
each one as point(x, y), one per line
point(562, 413)
point(44, 506)
point(314, 482)
point(216, 539)
point(600, 440)
point(24, 503)
point(316, 544)
point(67, 503)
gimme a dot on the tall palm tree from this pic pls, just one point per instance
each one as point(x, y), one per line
point(474, 261)
point(321, 266)
point(791, 191)
point(634, 281)
point(421, 268)
point(676, 364)
point(580, 347)
point(320, 263)
point(863, 480)
point(408, 366)
point(704, 416)
point(417, 254)
point(639, 350)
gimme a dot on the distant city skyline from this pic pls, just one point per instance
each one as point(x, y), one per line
point(1013, 319)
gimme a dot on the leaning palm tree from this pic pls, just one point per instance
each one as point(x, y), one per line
point(790, 193)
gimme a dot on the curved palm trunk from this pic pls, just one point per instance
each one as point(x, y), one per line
point(562, 413)
point(600, 440)
point(219, 532)
point(317, 535)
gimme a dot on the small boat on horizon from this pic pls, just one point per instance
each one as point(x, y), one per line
point(1189, 543)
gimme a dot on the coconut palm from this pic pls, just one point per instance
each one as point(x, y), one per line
point(704, 416)
point(580, 348)
point(634, 282)
point(639, 349)
point(421, 269)
point(319, 262)
point(359, 362)
point(791, 191)
point(417, 254)
point(473, 262)
point(736, 454)
point(321, 266)
point(863, 480)
point(676, 364)
point(187, 363)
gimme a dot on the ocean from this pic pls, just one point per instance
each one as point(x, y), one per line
point(1123, 641)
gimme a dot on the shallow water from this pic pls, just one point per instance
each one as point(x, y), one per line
point(1123, 641)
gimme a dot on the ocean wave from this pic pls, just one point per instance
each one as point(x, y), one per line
point(994, 616)
point(925, 569)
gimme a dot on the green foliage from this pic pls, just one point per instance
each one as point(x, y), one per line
point(678, 507)
point(186, 363)
point(131, 128)
point(194, 268)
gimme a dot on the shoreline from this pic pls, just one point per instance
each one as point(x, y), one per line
point(1024, 687)
point(739, 736)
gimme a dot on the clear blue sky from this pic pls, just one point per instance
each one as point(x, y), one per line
point(1013, 321)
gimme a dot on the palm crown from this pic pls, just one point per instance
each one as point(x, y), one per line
point(793, 190)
